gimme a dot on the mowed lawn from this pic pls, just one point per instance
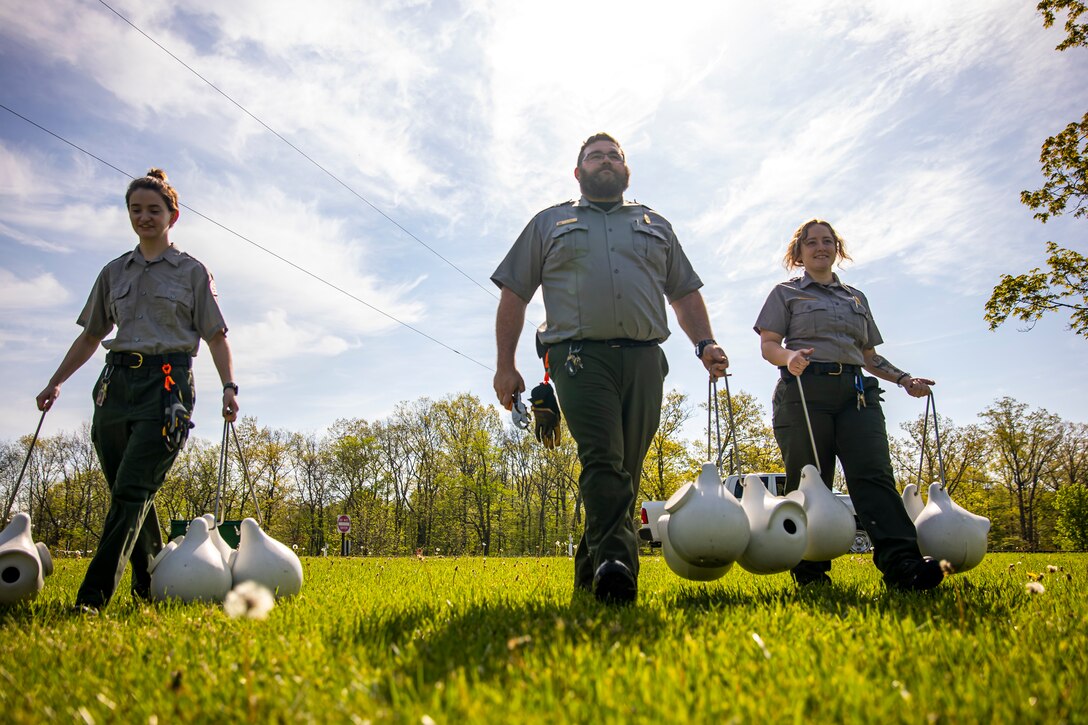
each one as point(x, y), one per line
point(504, 640)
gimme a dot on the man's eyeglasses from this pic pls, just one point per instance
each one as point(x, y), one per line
point(597, 157)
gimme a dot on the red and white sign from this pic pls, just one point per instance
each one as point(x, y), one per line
point(343, 523)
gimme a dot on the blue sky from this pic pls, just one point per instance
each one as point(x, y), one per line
point(911, 126)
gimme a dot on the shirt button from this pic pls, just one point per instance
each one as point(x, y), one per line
point(137, 339)
point(143, 294)
point(139, 317)
point(616, 271)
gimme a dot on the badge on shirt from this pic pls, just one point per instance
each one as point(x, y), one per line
point(566, 221)
point(646, 218)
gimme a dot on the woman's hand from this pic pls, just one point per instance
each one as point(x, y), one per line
point(47, 397)
point(917, 387)
point(798, 360)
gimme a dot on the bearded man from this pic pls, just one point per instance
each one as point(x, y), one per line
point(605, 266)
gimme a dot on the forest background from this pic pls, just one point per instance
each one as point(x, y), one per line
point(453, 476)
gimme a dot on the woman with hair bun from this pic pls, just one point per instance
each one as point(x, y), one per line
point(830, 337)
point(162, 302)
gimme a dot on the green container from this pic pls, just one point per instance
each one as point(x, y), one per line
point(231, 531)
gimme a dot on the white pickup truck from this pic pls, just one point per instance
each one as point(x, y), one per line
point(775, 483)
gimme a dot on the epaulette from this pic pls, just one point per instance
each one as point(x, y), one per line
point(568, 202)
point(119, 257)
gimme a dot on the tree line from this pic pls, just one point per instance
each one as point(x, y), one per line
point(454, 476)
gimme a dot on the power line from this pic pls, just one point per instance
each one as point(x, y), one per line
point(246, 239)
point(302, 153)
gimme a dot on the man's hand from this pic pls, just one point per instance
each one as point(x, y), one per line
point(508, 384)
point(546, 415)
point(230, 405)
point(715, 360)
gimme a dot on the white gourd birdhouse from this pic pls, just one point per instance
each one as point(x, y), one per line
point(707, 526)
point(682, 568)
point(23, 564)
point(912, 501)
point(264, 560)
point(831, 526)
point(778, 526)
point(213, 533)
point(163, 553)
point(948, 531)
point(195, 570)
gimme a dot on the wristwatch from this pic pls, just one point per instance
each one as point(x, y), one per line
point(231, 386)
point(701, 345)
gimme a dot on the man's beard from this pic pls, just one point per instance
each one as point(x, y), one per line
point(602, 186)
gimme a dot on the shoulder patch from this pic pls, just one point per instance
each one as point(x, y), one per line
point(211, 286)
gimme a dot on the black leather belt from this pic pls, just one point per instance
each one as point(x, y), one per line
point(626, 342)
point(139, 360)
point(824, 368)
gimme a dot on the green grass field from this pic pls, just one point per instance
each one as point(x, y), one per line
point(502, 640)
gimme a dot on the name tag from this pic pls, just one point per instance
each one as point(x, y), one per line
point(566, 221)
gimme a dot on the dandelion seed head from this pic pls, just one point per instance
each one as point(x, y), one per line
point(1034, 588)
point(249, 599)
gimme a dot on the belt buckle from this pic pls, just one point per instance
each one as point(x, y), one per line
point(141, 360)
point(837, 372)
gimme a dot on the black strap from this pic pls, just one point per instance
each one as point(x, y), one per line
point(139, 360)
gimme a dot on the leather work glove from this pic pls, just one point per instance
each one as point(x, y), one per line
point(546, 415)
point(177, 421)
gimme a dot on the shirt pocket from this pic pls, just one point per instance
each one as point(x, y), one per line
point(122, 304)
point(651, 245)
point(858, 322)
point(173, 306)
point(806, 318)
point(567, 243)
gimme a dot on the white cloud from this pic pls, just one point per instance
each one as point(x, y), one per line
point(20, 294)
point(912, 126)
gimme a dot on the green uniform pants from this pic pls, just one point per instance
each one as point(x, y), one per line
point(859, 439)
point(612, 407)
point(127, 436)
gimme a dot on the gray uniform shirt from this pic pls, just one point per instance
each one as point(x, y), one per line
point(833, 319)
point(603, 274)
point(165, 305)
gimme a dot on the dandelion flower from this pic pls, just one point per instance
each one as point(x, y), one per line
point(249, 599)
point(1034, 588)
